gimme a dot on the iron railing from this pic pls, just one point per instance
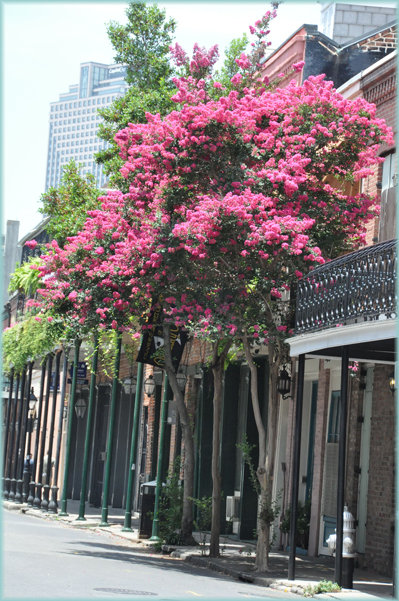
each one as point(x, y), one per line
point(357, 287)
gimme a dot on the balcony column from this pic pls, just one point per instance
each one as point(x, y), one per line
point(13, 417)
point(7, 429)
point(24, 470)
point(53, 506)
point(35, 486)
point(16, 493)
point(295, 466)
point(40, 484)
point(341, 463)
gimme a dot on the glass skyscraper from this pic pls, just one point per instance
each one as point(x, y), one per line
point(74, 120)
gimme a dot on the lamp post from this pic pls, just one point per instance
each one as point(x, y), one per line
point(127, 526)
point(89, 421)
point(164, 413)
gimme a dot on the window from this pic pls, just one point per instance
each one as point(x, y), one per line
point(389, 171)
point(84, 81)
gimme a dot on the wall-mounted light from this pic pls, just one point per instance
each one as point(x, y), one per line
point(392, 383)
point(284, 383)
point(129, 385)
point(149, 385)
point(32, 401)
point(80, 407)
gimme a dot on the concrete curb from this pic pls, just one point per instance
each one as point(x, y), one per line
point(280, 584)
point(192, 555)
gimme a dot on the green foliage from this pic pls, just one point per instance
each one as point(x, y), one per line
point(68, 204)
point(302, 524)
point(143, 44)
point(30, 339)
point(25, 279)
point(247, 451)
point(107, 341)
point(234, 50)
point(269, 509)
point(203, 521)
point(171, 507)
point(324, 586)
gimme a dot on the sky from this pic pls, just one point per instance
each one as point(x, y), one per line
point(43, 44)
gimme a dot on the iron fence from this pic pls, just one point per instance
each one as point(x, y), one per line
point(357, 287)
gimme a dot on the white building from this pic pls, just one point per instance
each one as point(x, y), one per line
point(74, 120)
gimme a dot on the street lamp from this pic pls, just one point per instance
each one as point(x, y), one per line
point(32, 401)
point(149, 385)
point(129, 385)
point(284, 383)
point(80, 408)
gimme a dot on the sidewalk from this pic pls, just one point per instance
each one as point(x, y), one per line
point(236, 560)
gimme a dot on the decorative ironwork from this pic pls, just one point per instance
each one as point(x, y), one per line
point(357, 287)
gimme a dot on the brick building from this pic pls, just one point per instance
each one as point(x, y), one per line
point(366, 67)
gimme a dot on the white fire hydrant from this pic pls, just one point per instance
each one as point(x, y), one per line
point(348, 538)
point(348, 547)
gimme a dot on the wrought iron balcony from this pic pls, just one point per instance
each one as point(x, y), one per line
point(357, 287)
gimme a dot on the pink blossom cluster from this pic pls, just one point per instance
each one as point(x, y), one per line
point(229, 201)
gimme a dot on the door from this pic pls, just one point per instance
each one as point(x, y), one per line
point(330, 475)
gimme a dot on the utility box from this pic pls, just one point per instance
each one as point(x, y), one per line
point(147, 494)
point(232, 508)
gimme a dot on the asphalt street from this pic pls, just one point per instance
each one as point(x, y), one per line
point(49, 560)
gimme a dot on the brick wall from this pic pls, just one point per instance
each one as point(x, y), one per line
point(381, 498)
point(385, 40)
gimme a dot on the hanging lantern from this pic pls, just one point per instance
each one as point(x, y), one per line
point(284, 383)
point(149, 385)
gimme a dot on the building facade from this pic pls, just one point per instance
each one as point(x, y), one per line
point(366, 318)
point(74, 120)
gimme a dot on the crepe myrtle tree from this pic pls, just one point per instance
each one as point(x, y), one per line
point(89, 281)
point(230, 198)
point(242, 193)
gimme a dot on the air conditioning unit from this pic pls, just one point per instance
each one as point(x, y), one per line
point(232, 508)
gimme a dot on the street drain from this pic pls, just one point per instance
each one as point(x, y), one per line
point(126, 591)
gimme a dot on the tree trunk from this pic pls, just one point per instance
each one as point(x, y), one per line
point(267, 451)
point(188, 438)
point(217, 371)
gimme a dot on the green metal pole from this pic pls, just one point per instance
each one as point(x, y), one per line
point(104, 512)
point(90, 408)
point(127, 526)
point(164, 411)
point(71, 406)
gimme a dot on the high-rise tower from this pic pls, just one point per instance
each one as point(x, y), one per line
point(74, 120)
